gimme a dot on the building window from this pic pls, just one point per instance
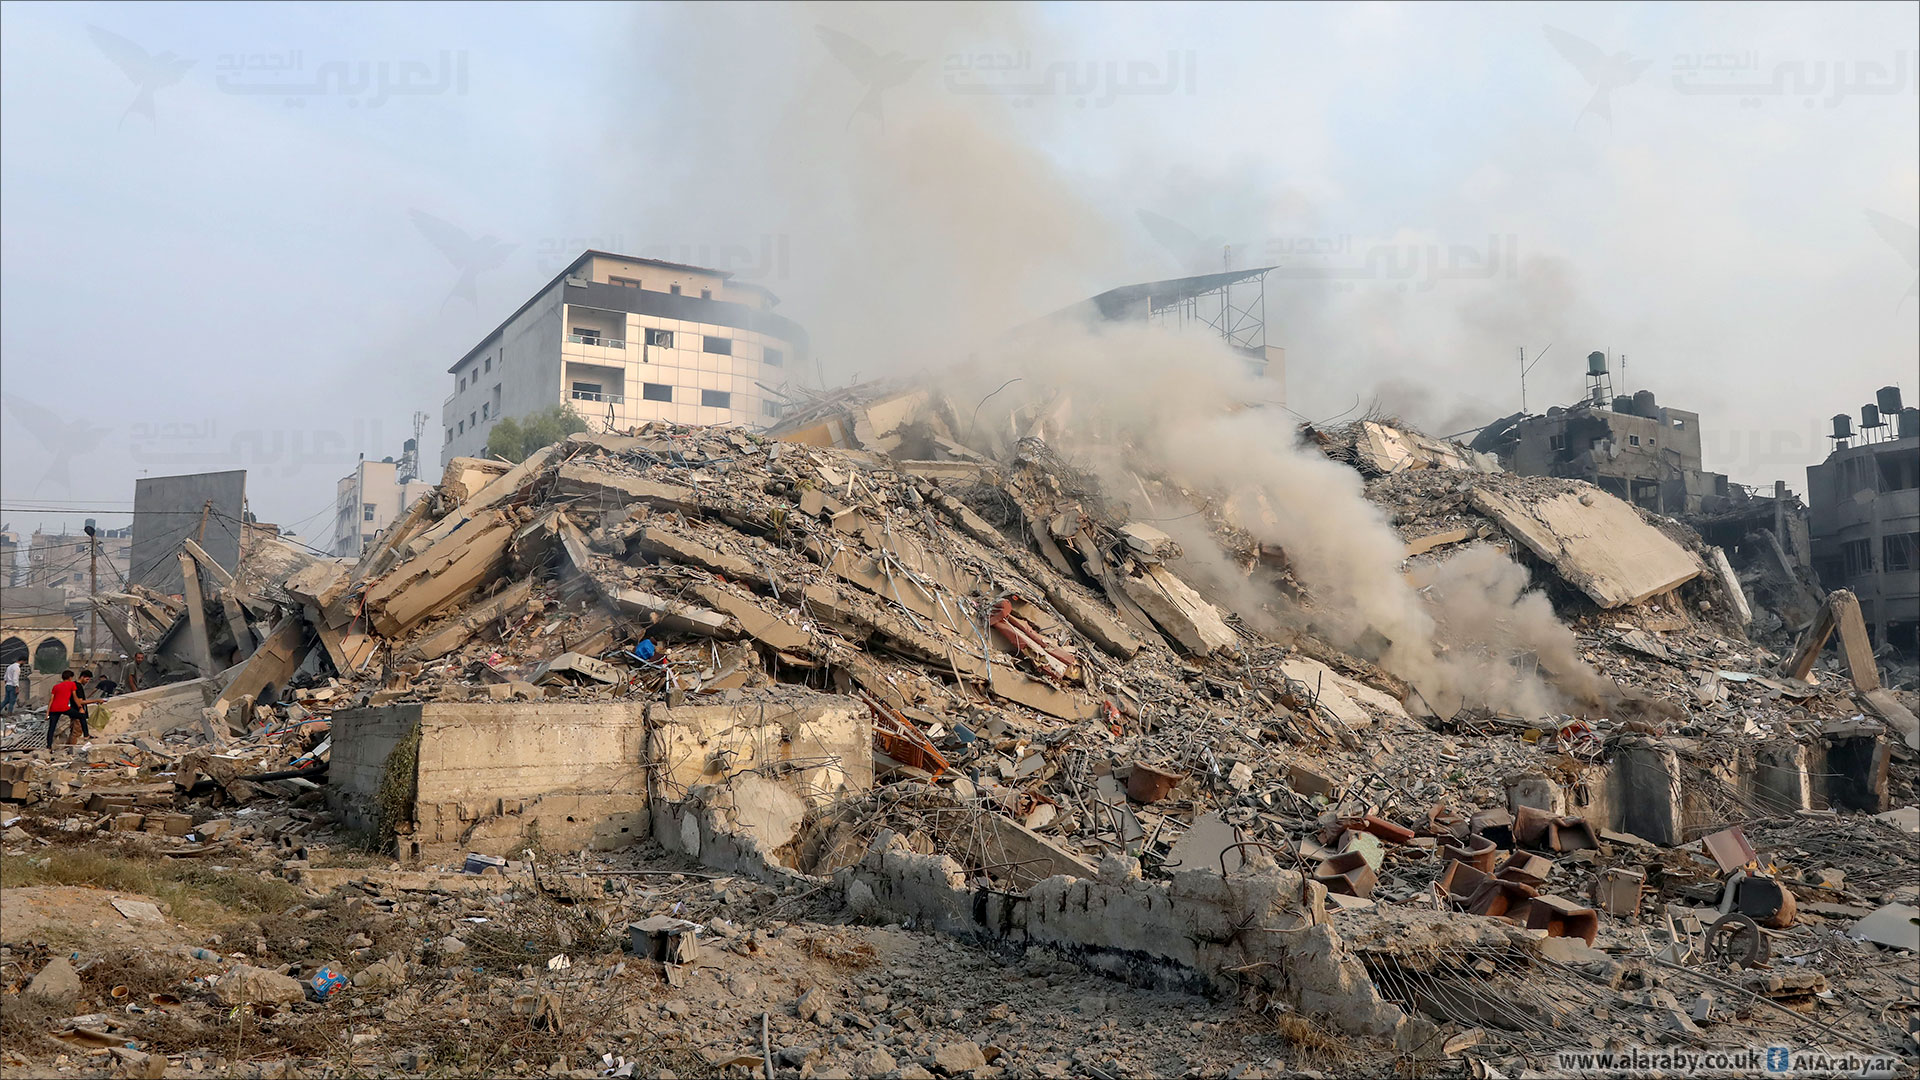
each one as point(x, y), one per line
point(660, 339)
point(1901, 551)
point(1679, 423)
point(366, 511)
point(1858, 555)
point(624, 282)
point(675, 290)
point(1557, 442)
point(463, 427)
point(706, 294)
point(486, 410)
point(1633, 440)
point(722, 346)
point(773, 357)
point(488, 365)
point(586, 391)
point(463, 384)
point(716, 399)
point(770, 408)
point(473, 419)
point(587, 335)
point(654, 391)
point(449, 434)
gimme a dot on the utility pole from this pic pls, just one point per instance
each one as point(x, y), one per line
point(93, 588)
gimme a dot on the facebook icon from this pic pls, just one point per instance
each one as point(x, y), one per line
point(1778, 1060)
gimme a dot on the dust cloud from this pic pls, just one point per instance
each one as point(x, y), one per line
point(926, 225)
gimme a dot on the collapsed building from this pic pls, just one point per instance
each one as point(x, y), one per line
point(937, 668)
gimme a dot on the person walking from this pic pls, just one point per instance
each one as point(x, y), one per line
point(13, 687)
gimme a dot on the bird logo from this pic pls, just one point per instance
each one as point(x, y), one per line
point(62, 437)
point(1604, 73)
point(878, 73)
point(468, 255)
point(148, 73)
point(1903, 238)
point(1196, 255)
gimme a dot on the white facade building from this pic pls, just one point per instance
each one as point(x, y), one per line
point(368, 499)
point(623, 340)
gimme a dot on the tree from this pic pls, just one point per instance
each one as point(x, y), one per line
point(515, 439)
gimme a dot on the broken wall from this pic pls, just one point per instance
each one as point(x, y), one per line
point(498, 777)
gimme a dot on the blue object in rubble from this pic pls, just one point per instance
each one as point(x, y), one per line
point(643, 649)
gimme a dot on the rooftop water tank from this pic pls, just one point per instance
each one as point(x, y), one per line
point(1623, 405)
point(1842, 426)
point(1870, 417)
point(1909, 422)
point(1596, 363)
point(1644, 405)
point(1889, 399)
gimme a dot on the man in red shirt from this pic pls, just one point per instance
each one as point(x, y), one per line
point(60, 702)
point(67, 701)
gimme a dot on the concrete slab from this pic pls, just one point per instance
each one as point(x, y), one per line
point(819, 744)
point(1596, 542)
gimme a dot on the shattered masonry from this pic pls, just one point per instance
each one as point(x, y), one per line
point(948, 681)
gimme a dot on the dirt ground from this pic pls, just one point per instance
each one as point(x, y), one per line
point(516, 982)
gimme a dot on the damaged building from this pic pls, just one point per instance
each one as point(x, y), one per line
point(622, 340)
point(1865, 516)
point(1629, 445)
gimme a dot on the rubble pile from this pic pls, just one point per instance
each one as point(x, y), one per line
point(924, 674)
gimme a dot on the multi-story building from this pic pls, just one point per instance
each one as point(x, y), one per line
point(1865, 517)
point(623, 340)
point(10, 557)
point(61, 560)
point(367, 500)
point(1630, 446)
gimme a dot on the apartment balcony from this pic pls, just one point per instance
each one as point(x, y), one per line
point(596, 341)
point(592, 395)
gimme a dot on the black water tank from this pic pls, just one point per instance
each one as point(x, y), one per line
point(1644, 405)
point(1870, 417)
point(1842, 426)
point(1623, 405)
point(1909, 422)
point(1596, 363)
point(1889, 399)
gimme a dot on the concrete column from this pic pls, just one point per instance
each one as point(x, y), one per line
point(199, 651)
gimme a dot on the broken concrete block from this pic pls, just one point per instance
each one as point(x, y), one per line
point(57, 984)
point(1186, 617)
point(1598, 543)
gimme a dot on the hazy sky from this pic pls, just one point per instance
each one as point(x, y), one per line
point(237, 277)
